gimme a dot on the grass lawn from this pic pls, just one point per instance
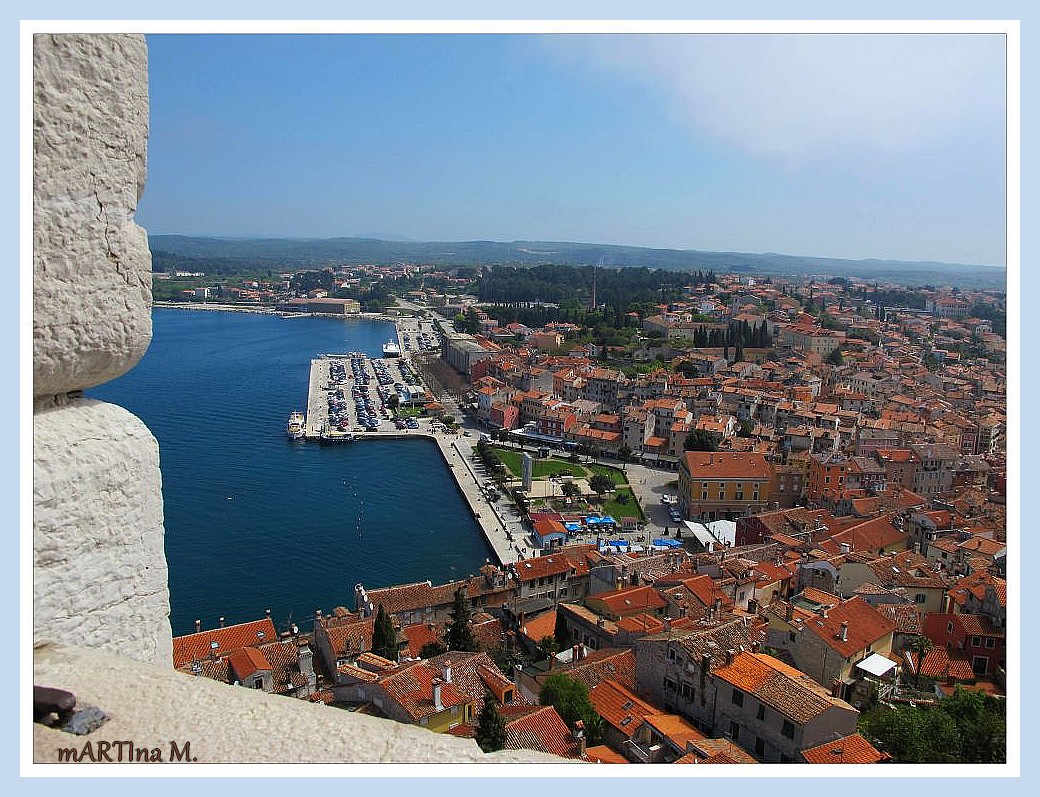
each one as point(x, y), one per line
point(409, 412)
point(541, 467)
point(617, 476)
point(618, 510)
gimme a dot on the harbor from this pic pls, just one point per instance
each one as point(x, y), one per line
point(349, 401)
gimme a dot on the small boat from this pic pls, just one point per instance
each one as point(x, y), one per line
point(391, 349)
point(295, 427)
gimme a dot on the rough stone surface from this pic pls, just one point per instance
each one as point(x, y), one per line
point(91, 265)
point(99, 568)
point(232, 724)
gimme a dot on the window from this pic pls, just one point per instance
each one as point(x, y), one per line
point(734, 731)
point(991, 642)
point(739, 495)
point(754, 496)
point(671, 654)
point(976, 641)
point(788, 729)
point(919, 598)
point(761, 711)
point(949, 628)
point(704, 495)
point(722, 495)
point(760, 746)
point(669, 685)
point(737, 698)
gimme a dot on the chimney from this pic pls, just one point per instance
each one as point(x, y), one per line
point(267, 613)
point(317, 614)
point(730, 655)
point(221, 622)
point(446, 671)
point(437, 695)
point(836, 688)
point(667, 623)
point(843, 634)
point(576, 652)
point(789, 614)
point(198, 625)
point(579, 734)
point(752, 606)
point(917, 547)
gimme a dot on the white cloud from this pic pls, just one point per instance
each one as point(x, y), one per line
point(802, 96)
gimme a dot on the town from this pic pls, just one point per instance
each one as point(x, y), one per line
point(751, 519)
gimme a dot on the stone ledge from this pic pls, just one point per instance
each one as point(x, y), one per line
point(150, 707)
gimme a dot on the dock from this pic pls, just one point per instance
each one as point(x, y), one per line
point(499, 522)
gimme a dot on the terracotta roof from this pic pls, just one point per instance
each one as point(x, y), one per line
point(412, 689)
point(197, 646)
point(675, 729)
point(544, 730)
point(541, 567)
point(852, 749)
point(539, 627)
point(245, 662)
point(724, 465)
point(601, 754)
point(619, 707)
point(787, 690)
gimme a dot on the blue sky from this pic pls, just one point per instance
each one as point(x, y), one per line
point(845, 146)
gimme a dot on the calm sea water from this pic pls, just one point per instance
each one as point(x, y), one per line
point(254, 521)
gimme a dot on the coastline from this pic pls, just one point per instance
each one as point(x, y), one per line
point(238, 308)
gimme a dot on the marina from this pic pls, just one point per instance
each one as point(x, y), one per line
point(332, 417)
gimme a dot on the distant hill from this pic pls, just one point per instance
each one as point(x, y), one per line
point(229, 254)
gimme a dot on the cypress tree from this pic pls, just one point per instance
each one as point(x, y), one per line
point(384, 638)
point(491, 727)
point(458, 635)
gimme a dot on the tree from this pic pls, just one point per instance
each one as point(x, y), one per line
point(491, 727)
point(570, 698)
point(601, 483)
point(746, 429)
point(384, 637)
point(549, 645)
point(835, 358)
point(570, 489)
point(431, 649)
point(458, 635)
point(701, 440)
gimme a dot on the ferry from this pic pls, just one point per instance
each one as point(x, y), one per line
point(391, 349)
point(295, 427)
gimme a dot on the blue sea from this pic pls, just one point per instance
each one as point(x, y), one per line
point(254, 521)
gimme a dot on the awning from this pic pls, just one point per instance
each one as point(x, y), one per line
point(876, 664)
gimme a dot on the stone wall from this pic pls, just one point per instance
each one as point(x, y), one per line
point(99, 570)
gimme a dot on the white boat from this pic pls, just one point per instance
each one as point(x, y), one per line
point(295, 427)
point(391, 349)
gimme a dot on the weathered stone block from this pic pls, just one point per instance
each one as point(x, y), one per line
point(91, 264)
point(99, 568)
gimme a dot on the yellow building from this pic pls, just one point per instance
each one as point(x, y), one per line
point(723, 485)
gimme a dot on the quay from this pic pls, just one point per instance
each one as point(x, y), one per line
point(501, 525)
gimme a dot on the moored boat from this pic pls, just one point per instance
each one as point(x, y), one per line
point(295, 427)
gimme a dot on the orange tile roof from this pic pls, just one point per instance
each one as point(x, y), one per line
point(247, 661)
point(864, 626)
point(544, 730)
point(601, 754)
point(852, 749)
point(726, 465)
point(198, 646)
point(620, 707)
point(789, 691)
point(541, 567)
point(539, 627)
